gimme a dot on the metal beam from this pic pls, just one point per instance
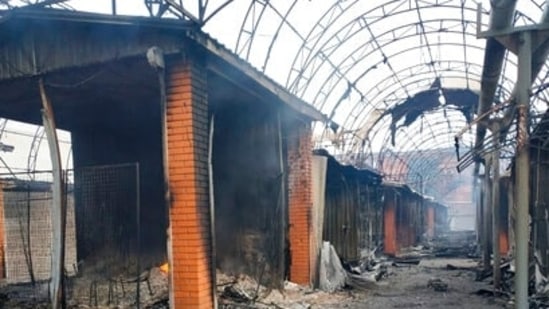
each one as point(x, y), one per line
point(495, 128)
point(522, 40)
point(540, 51)
point(501, 17)
point(522, 172)
point(486, 215)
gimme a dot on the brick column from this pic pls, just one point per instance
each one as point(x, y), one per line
point(188, 179)
point(503, 242)
point(389, 224)
point(300, 202)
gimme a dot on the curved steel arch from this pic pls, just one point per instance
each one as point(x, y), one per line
point(381, 122)
point(417, 161)
point(385, 57)
point(34, 149)
point(413, 82)
point(390, 77)
point(422, 139)
point(245, 52)
point(420, 78)
point(340, 49)
point(373, 66)
point(364, 20)
point(322, 40)
point(424, 144)
point(453, 115)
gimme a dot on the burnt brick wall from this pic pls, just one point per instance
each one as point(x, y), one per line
point(188, 180)
point(300, 201)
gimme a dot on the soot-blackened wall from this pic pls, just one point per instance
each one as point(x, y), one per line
point(122, 133)
point(249, 205)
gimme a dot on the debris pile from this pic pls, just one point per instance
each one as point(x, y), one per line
point(538, 289)
point(244, 292)
point(121, 292)
point(454, 244)
point(24, 296)
point(335, 277)
point(437, 285)
point(365, 274)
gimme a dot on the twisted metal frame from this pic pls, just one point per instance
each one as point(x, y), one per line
point(337, 68)
point(352, 59)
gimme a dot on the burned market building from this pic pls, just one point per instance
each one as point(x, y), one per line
point(183, 153)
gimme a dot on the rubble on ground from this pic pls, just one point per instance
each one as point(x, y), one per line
point(340, 277)
point(454, 244)
point(334, 278)
point(88, 291)
point(438, 285)
point(233, 291)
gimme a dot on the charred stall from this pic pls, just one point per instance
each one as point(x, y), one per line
point(436, 218)
point(353, 210)
point(261, 161)
point(168, 127)
point(109, 104)
point(403, 217)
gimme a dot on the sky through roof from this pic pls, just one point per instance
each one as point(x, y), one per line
point(399, 76)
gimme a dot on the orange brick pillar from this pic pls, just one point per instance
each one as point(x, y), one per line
point(300, 202)
point(188, 180)
point(389, 224)
point(503, 242)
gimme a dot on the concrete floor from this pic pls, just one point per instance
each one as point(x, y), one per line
point(406, 287)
